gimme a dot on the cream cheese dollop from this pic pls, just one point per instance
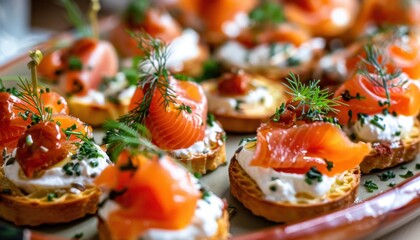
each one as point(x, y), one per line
point(392, 127)
point(264, 55)
point(281, 186)
point(55, 177)
point(203, 224)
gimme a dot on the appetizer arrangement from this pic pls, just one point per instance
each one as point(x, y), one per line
point(174, 77)
point(47, 175)
point(241, 101)
point(151, 196)
point(301, 164)
point(175, 112)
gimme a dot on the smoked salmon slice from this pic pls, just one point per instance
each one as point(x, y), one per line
point(145, 203)
point(80, 67)
point(182, 122)
point(405, 98)
point(305, 146)
point(12, 125)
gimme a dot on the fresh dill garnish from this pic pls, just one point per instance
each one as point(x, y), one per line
point(417, 166)
point(31, 96)
point(279, 111)
point(370, 186)
point(407, 175)
point(78, 235)
point(392, 184)
point(313, 175)
point(346, 96)
point(120, 136)
point(184, 107)
point(314, 102)
point(376, 61)
point(153, 77)
point(211, 69)
point(267, 12)
point(385, 176)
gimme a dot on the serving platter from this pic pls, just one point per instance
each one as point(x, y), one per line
point(373, 215)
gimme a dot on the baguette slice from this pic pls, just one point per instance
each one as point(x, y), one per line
point(241, 121)
point(385, 154)
point(208, 161)
point(96, 114)
point(244, 188)
point(222, 230)
point(27, 210)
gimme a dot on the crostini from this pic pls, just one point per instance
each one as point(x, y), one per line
point(381, 107)
point(400, 45)
point(301, 164)
point(330, 18)
point(187, 51)
point(151, 196)
point(175, 112)
point(241, 101)
point(272, 47)
point(48, 177)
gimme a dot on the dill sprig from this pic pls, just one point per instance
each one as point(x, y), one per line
point(314, 101)
point(380, 77)
point(31, 95)
point(136, 11)
point(153, 76)
point(120, 136)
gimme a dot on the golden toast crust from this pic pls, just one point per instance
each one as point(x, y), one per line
point(244, 188)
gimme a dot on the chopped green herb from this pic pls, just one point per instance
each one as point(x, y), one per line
point(238, 105)
point(210, 119)
point(184, 107)
point(75, 63)
point(346, 96)
point(386, 175)
point(403, 167)
point(224, 137)
point(392, 184)
point(78, 236)
point(279, 111)
point(330, 165)
point(274, 178)
point(418, 166)
point(370, 186)
point(292, 62)
point(267, 12)
point(313, 175)
point(198, 175)
point(273, 188)
point(94, 164)
point(6, 191)
point(407, 175)
point(51, 196)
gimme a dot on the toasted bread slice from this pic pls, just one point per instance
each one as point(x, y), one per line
point(241, 120)
point(244, 188)
point(36, 209)
point(386, 154)
point(96, 114)
point(222, 230)
point(201, 162)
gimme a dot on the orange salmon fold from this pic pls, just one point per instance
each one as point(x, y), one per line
point(306, 146)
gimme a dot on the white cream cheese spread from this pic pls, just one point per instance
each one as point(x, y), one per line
point(264, 55)
point(204, 146)
point(56, 177)
point(382, 127)
point(257, 102)
point(203, 224)
point(281, 186)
